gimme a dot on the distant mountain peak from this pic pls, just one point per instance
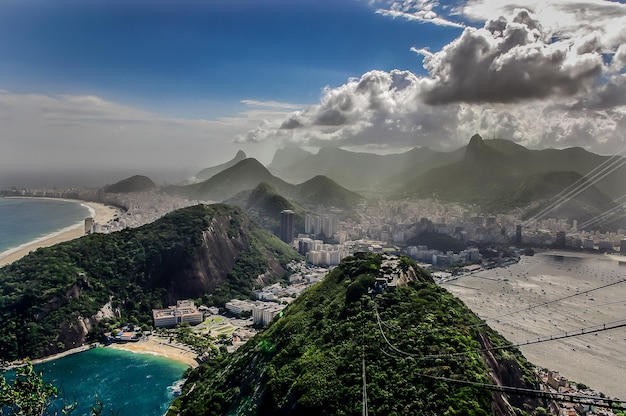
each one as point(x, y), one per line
point(477, 151)
point(136, 183)
point(476, 140)
point(207, 173)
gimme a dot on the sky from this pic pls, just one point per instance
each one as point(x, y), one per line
point(165, 88)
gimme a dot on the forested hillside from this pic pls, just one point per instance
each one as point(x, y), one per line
point(311, 360)
point(52, 299)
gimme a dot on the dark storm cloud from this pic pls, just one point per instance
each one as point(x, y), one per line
point(510, 61)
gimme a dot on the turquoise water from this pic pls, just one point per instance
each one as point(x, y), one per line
point(128, 384)
point(26, 219)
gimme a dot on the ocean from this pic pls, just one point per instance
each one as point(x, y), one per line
point(127, 383)
point(26, 219)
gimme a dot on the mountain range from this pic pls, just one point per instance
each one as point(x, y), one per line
point(249, 173)
point(401, 171)
point(497, 175)
point(358, 171)
point(502, 181)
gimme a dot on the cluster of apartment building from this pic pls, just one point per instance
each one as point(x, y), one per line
point(326, 225)
point(318, 253)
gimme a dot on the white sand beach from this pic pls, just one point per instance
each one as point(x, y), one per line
point(598, 360)
point(161, 348)
point(101, 213)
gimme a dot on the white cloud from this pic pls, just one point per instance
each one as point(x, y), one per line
point(421, 51)
point(272, 104)
point(421, 16)
point(517, 78)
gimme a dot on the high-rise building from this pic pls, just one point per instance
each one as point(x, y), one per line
point(317, 226)
point(622, 247)
point(286, 225)
point(89, 225)
point(308, 224)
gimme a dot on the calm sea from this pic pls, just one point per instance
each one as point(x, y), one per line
point(127, 383)
point(26, 219)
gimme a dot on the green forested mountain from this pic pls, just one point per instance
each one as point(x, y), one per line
point(51, 299)
point(238, 182)
point(264, 205)
point(244, 175)
point(413, 342)
point(137, 183)
point(322, 190)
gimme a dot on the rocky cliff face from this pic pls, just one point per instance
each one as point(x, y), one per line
point(184, 275)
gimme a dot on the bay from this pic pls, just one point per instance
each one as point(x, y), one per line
point(128, 384)
point(25, 219)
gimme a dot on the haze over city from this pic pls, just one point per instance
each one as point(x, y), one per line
point(165, 88)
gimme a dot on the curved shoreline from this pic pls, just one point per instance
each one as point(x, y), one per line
point(103, 213)
point(161, 349)
point(149, 346)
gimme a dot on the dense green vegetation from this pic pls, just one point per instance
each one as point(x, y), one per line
point(309, 361)
point(264, 204)
point(253, 262)
point(45, 296)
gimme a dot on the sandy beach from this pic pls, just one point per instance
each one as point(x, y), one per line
point(101, 213)
point(161, 348)
point(503, 297)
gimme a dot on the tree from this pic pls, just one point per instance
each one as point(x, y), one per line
point(28, 394)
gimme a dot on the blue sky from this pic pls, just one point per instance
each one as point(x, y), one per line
point(157, 85)
point(193, 58)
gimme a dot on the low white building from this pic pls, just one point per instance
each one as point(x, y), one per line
point(237, 306)
point(184, 311)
